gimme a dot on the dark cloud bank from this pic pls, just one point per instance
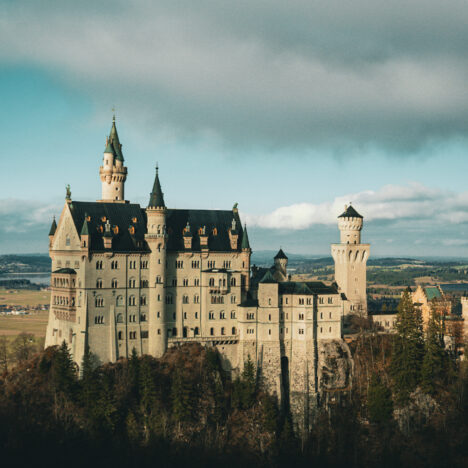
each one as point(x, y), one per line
point(297, 74)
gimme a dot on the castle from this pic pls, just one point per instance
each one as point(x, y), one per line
point(126, 277)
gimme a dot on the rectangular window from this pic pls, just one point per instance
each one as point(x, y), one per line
point(144, 334)
point(330, 300)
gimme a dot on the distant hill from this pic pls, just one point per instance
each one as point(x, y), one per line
point(31, 263)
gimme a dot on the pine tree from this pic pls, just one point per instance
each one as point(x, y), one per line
point(408, 349)
point(249, 382)
point(435, 362)
point(64, 375)
point(379, 401)
point(134, 373)
point(181, 393)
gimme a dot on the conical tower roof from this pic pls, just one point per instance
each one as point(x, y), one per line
point(53, 227)
point(156, 196)
point(350, 212)
point(245, 244)
point(85, 227)
point(113, 143)
point(281, 255)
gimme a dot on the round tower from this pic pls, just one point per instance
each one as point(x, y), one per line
point(350, 225)
point(113, 173)
point(156, 238)
point(350, 258)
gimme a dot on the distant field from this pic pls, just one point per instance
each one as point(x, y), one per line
point(24, 297)
point(35, 323)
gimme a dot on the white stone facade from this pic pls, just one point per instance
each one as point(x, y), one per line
point(125, 277)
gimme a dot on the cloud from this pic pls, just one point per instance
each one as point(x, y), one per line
point(23, 216)
point(297, 74)
point(415, 205)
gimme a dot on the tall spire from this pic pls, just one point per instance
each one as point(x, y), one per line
point(245, 239)
point(113, 142)
point(156, 196)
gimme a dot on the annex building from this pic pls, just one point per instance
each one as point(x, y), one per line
point(129, 277)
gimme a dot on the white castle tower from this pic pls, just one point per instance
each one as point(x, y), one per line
point(350, 258)
point(156, 238)
point(112, 172)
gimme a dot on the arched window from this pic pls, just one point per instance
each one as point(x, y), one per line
point(119, 318)
point(185, 332)
point(114, 283)
point(185, 299)
point(158, 279)
point(233, 281)
point(211, 331)
point(211, 281)
point(142, 300)
point(131, 283)
point(120, 335)
point(131, 300)
point(174, 332)
point(119, 301)
point(233, 330)
point(222, 330)
point(196, 331)
point(169, 299)
point(99, 301)
point(99, 283)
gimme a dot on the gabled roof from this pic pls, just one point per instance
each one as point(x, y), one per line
point(53, 227)
point(280, 255)
point(156, 196)
point(306, 288)
point(432, 292)
point(268, 278)
point(216, 222)
point(350, 212)
point(120, 215)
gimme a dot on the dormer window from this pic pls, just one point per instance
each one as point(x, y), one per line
point(215, 231)
point(134, 220)
point(103, 219)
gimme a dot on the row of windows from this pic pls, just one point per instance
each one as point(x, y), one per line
point(115, 265)
point(222, 315)
point(185, 281)
point(64, 282)
point(63, 300)
point(115, 283)
point(306, 301)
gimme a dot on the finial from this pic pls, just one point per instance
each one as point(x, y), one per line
point(234, 208)
point(157, 168)
point(68, 192)
point(113, 112)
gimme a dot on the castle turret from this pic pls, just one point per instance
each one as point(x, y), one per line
point(112, 172)
point(246, 253)
point(53, 228)
point(350, 258)
point(156, 239)
point(281, 263)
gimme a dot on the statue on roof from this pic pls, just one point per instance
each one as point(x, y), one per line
point(68, 192)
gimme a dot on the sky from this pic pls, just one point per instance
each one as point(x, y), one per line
point(290, 109)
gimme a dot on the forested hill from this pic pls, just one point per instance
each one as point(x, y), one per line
point(24, 264)
point(182, 410)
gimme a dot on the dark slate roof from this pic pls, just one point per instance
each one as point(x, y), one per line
point(113, 143)
point(309, 287)
point(350, 212)
point(245, 239)
point(85, 228)
point(268, 278)
point(68, 271)
point(156, 196)
point(176, 221)
point(53, 227)
point(118, 214)
point(280, 255)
